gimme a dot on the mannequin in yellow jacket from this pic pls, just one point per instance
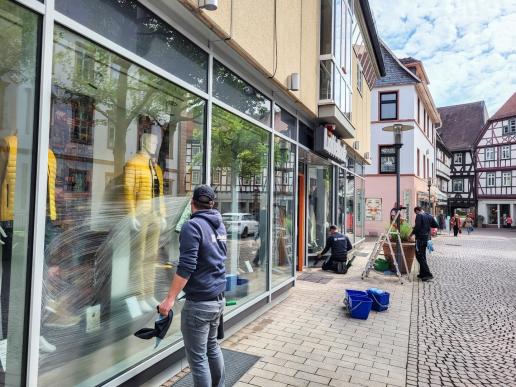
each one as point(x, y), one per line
point(143, 194)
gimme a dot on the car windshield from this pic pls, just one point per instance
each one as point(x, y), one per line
point(230, 217)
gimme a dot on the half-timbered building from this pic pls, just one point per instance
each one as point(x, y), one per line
point(461, 125)
point(496, 166)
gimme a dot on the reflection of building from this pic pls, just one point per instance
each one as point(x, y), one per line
point(461, 124)
point(402, 96)
point(495, 159)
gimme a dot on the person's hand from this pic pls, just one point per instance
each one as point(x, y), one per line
point(165, 306)
point(319, 256)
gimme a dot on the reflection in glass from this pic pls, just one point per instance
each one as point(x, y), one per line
point(237, 93)
point(350, 207)
point(134, 27)
point(283, 211)
point(359, 208)
point(126, 146)
point(239, 160)
point(319, 216)
point(341, 200)
point(18, 84)
point(284, 122)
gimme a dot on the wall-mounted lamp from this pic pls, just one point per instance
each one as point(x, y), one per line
point(356, 145)
point(367, 156)
point(293, 82)
point(208, 5)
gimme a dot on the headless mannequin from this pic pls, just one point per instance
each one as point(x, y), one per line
point(143, 192)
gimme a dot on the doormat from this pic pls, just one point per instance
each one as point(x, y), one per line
point(237, 364)
point(317, 278)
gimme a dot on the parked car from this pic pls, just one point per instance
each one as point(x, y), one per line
point(243, 224)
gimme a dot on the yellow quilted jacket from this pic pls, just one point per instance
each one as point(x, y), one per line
point(8, 153)
point(138, 192)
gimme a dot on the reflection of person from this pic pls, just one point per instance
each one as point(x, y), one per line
point(422, 228)
point(143, 194)
point(201, 274)
point(339, 245)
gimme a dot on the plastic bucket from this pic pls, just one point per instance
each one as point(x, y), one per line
point(231, 282)
point(380, 299)
point(359, 306)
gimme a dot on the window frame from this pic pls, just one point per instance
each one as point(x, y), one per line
point(381, 103)
point(489, 176)
point(508, 176)
point(380, 156)
point(503, 153)
point(457, 156)
point(487, 151)
point(455, 182)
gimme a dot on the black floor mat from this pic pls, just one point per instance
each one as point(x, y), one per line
point(237, 364)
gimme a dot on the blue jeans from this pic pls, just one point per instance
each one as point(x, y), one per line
point(199, 325)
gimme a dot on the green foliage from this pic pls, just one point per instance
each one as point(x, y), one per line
point(405, 230)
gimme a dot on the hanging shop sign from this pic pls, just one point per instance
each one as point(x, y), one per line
point(327, 144)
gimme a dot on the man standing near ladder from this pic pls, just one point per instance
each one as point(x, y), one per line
point(422, 230)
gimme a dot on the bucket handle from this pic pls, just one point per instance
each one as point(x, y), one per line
point(359, 303)
point(378, 302)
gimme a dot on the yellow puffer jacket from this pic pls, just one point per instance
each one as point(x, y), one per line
point(8, 153)
point(138, 192)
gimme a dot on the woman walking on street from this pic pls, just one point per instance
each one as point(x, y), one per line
point(455, 223)
point(468, 224)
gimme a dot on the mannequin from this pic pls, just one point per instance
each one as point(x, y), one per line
point(143, 194)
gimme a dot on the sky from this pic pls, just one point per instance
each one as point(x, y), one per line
point(468, 47)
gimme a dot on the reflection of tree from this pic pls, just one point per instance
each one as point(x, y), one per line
point(121, 90)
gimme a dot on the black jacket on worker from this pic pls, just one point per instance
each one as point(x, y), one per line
point(423, 226)
point(339, 245)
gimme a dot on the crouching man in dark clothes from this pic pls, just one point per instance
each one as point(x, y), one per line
point(422, 230)
point(339, 245)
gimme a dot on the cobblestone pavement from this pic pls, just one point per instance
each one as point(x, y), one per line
point(463, 329)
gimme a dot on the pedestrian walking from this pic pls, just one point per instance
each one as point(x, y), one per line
point(422, 228)
point(508, 221)
point(339, 245)
point(468, 224)
point(201, 275)
point(455, 224)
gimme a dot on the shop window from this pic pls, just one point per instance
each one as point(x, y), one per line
point(237, 93)
point(491, 179)
point(283, 213)
point(284, 122)
point(306, 136)
point(458, 185)
point(350, 207)
point(359, 208)
point(241, 150)
point(388, 106)
point(388, 159)
point(320, 204)
point(127, 156)
point(18, 125)
point(132, 26)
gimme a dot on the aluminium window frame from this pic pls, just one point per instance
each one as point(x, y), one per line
point(389, 102)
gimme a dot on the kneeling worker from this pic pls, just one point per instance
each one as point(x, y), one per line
point(339, 245)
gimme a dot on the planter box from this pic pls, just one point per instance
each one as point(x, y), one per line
point(409, 249)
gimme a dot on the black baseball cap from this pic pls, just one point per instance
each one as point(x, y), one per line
point(204, 194)
point(160, 328)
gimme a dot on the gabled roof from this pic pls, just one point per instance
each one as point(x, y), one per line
point(507, 110)
point(396, 72)
point(461, 124)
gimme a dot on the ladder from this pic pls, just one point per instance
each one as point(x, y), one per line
point(378, 248)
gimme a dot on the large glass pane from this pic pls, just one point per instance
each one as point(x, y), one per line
point(341, 200)
point(319, 217)
point(239, 165)
point(284, 210)
point(350, 207)
point(326, 79)
point(125, 151)
point(134, 27)
point(338, 42)
point(359, 208)
point(284, 122)
point(19, 30)
point(233, 90)
point(326, 26)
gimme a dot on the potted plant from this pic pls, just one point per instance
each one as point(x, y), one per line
point(409, 248)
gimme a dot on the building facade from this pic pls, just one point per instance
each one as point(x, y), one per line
point(495, 159)
point(403, 97)
point(461, 125)
point(443, 160)
point(111, 112)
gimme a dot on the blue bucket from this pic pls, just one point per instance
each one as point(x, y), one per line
point(351, 292)
point(231, 282)
point(359, 306)
point(380, 299)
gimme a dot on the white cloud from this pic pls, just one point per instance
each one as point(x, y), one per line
point(468, 47)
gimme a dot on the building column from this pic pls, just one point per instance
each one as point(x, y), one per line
point(498, 214)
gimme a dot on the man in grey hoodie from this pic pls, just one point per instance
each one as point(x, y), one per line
point(201, 275)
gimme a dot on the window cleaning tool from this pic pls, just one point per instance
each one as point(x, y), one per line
point(385, 238)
